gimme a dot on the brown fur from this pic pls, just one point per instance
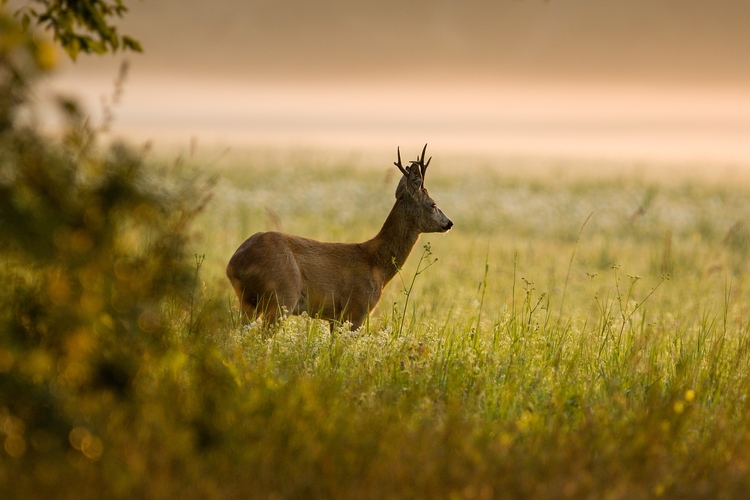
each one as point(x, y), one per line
point(273, 271)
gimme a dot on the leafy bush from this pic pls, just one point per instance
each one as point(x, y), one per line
point(94, 273)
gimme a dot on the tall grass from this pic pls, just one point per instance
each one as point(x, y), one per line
point(544, 354)
point(575, 340)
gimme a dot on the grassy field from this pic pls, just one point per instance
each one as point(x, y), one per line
point(582, 332)
point(574, 336)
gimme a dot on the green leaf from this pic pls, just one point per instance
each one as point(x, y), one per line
point(96, 47)
point(79, 25)
point(73, 47)
point(129, 43)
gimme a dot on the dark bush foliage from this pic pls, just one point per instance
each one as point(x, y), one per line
point(93, 271)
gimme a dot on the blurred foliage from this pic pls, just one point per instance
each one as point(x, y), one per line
point(22, 59)
point(93, 269)
point(79, 25)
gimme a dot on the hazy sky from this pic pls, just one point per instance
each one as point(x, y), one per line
point(657, 41)
point(572, 77)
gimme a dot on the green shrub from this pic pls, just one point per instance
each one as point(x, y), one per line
point(93, 275)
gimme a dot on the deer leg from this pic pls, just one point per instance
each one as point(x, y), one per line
point(282, 297)
point(357, 315)
point(356, 323)
point(360, 310)
point(268, 305)
point(248, 310)
point(275, 305)
point(248, 302)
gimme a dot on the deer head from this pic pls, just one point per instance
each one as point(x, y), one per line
point(415, 198)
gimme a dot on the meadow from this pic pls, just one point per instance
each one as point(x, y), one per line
point(574, 335)
point(581, 332)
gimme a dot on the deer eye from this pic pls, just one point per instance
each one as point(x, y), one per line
point(434, 207)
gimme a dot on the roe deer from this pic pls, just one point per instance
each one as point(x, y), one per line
point(272, 271)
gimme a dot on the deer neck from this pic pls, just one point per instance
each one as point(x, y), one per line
point(393, 244)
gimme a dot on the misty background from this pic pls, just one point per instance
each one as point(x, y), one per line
point(664, 81)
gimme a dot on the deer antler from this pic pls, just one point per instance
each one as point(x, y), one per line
point(398, 164)
point(421, 164)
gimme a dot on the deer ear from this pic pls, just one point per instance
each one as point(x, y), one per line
point(410, 182)
point(401, 188)
point(416, 180)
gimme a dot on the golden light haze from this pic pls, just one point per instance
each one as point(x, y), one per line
point(664, 80)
